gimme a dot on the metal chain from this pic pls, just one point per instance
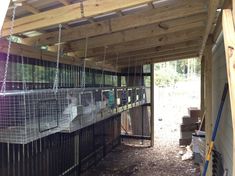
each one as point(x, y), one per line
point(3, 88)
point(56, 82)
point(102, 76)
point(117, 66)
point(127, 84)
point(84, 64)
point(23, 72)
point(134, 82)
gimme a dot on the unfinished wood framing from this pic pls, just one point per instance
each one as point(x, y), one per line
point(208, 97)
point(212, 9)
point(69, 13)
point(229, 43)
point(202, 85)
point(122, 23)
point(152, 105)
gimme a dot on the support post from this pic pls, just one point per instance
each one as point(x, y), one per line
point(208, 96)
point(152, 105)
point(202, 86)
point(229, 43)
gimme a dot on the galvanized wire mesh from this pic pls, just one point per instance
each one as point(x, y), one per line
point(29, 115)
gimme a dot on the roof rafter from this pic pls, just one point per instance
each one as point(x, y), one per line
point(146, 43)
point(69, 13)
point(121, 23)
point(159, 50)
point(135, 34)
point(213, 5)
point(35, 53)
point(161, 59)
point(156, 55)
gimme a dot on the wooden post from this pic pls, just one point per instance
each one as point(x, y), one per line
point(229, 43)
point(152, 105)
point(208, 96)
point(202, 85)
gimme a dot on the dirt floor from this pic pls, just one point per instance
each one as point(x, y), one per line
point(164, 159)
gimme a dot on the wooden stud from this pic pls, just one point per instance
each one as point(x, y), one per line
point(152, 105)
point(202, 86)
point(213, 4)
point(208, 97)
point(229, 43)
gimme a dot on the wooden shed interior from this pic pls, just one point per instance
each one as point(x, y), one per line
point(116, 37)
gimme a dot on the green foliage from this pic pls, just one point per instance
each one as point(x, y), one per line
point(168, 73)
point(166, 77)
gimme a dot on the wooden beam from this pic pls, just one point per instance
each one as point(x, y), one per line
point(155, 50)
point(218, 28)
point(213, 5)
point(69, 13)
point(208, 97)
point(135, 34)
point(121, 23)
point(30, 8)
point(202, 86)
point(152, 105)
point(64, 2)
point(27, 51)
point(151, 42)
point(229, 42)
point(159, 57)
point(157, 60)
point(156, 55)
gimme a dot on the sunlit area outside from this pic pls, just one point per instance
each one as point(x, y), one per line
point(177, 87)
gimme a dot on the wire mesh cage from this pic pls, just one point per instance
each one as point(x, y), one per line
point(109, 101)
point(27, 116)
point(122, 99)
point(80, 110)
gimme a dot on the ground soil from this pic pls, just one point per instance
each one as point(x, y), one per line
point(132, 158)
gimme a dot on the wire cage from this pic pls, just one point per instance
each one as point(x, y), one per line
point(109, 100)
point(122, 99)
point(26, 116)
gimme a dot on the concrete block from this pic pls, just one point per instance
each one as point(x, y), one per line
point(189, 127)
point(187, 120)
point(194, 112)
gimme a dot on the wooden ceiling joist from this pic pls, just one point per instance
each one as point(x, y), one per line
point(155, 55)
point(134, 34)
point(119, 24)
point(157, 60)
point(30, 8)
point(28, 51)
point(146, 43)
point(69, 13)
point(212, 10)
point(156, 49)
point(64, 2)
point(160, 53)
